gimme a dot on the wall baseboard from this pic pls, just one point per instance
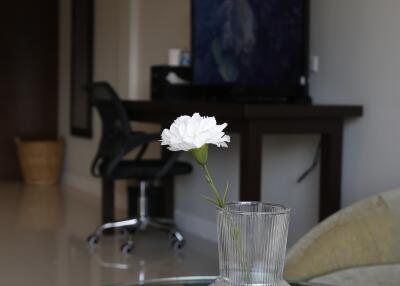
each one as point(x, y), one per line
point(196, 225)
point(85, 184)
point(92, 187)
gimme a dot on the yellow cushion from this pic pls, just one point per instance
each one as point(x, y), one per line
point(366, 233)
point(387, 275)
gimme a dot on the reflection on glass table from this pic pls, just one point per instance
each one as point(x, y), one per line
point(195, 281)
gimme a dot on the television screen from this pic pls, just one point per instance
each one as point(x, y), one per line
point(250, 42)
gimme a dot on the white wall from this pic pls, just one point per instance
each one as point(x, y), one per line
point(284, 160)
point(358, 42)
point(157, 27)
point(112, 50)
point(130, 36)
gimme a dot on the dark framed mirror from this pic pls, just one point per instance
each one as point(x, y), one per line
point(82, 50)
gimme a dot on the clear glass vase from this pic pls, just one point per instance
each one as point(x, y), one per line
point(252, 240)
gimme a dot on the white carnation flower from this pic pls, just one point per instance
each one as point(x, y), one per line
point(188, 133)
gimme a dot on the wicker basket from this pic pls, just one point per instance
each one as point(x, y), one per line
point(40, 161)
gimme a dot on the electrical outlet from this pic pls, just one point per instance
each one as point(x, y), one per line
point(314, 64)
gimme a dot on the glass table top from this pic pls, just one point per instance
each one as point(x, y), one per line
point(193, 281)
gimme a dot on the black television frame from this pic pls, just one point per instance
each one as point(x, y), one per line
point(257, 93)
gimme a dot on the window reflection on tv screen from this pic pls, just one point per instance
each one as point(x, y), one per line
point(251, 42)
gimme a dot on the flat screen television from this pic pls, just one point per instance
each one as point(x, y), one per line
point(251, 49)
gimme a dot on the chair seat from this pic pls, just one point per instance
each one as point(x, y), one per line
point(147, 169)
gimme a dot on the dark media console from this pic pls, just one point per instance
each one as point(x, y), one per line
point(162, 90)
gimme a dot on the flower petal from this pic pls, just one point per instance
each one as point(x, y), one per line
point(188, 133)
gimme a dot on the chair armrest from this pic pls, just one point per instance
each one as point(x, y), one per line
point(94, 168)
point(139, 139)
point(147, 138)
point(143, 149)
point(168, 164)
point(135, 140)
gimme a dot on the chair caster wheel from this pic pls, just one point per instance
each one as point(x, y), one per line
point(127, 248)
point(177, 240)
point(93, 240)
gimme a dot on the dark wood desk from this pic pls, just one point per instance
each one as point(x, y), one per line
point(251, 121)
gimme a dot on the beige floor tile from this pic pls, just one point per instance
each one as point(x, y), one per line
point(43, 242)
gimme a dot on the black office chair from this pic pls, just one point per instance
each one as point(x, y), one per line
point(117, 140)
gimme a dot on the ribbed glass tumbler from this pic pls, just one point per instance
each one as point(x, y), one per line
point(252, 240)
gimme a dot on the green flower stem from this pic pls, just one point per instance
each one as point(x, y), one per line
point(201, 156)
point(237, 237)
point(228, 226)
point(219, 201)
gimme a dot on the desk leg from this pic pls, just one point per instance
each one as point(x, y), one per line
point(250, 163)
point(107, 200)
point(169, 191)
point(168, 201)
point(331, 172)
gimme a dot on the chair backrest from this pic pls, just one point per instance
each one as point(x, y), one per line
point(115, 124)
